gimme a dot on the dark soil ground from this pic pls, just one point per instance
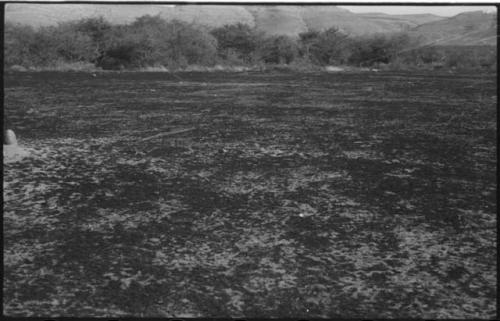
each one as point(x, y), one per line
point(308, 195)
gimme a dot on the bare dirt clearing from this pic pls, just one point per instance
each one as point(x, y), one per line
point(304, 195)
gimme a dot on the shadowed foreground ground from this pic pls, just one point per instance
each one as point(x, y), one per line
point(304, 195)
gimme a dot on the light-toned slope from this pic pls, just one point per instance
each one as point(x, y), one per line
point(278, 20)
point(50, 14)
point(210, 15)
point(470, 28)
point(410, 19)
point(324, 17)
point(45, 14)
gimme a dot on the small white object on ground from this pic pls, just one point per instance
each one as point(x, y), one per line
point(334, 68)
point(307, 210)
point(10, 138)
point(11, 150)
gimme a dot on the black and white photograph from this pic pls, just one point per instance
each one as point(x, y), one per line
point(250, 160)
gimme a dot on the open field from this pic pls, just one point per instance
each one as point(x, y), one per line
point(307, 195)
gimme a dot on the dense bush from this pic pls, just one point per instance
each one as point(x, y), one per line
point(330, 47)
point(71, 44)
point(236, 43)
point(18, 46)
point(277, 50)
point(96, 29)
point(152, 42)
point(47, 46)
point(378, 48)
point(450, 57)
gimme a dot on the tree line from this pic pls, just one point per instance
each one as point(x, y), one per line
point(151, 41)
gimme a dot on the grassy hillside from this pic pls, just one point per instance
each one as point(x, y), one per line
point(272, 20)
point(320, 18)
point(278, 20)
point(470, 28)
point(410, 19)
point(213, 16)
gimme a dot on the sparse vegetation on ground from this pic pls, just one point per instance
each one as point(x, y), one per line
point(363, 195)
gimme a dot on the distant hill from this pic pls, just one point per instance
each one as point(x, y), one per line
point(278, 20)
point(320, 17)
point(464, 29)
point(51, 14)
point(209, 15)
point(272, 20)
point(412, 20)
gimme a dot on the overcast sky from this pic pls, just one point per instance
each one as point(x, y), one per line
point(445, 11)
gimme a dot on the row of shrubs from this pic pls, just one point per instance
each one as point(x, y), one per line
point(151, 42)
